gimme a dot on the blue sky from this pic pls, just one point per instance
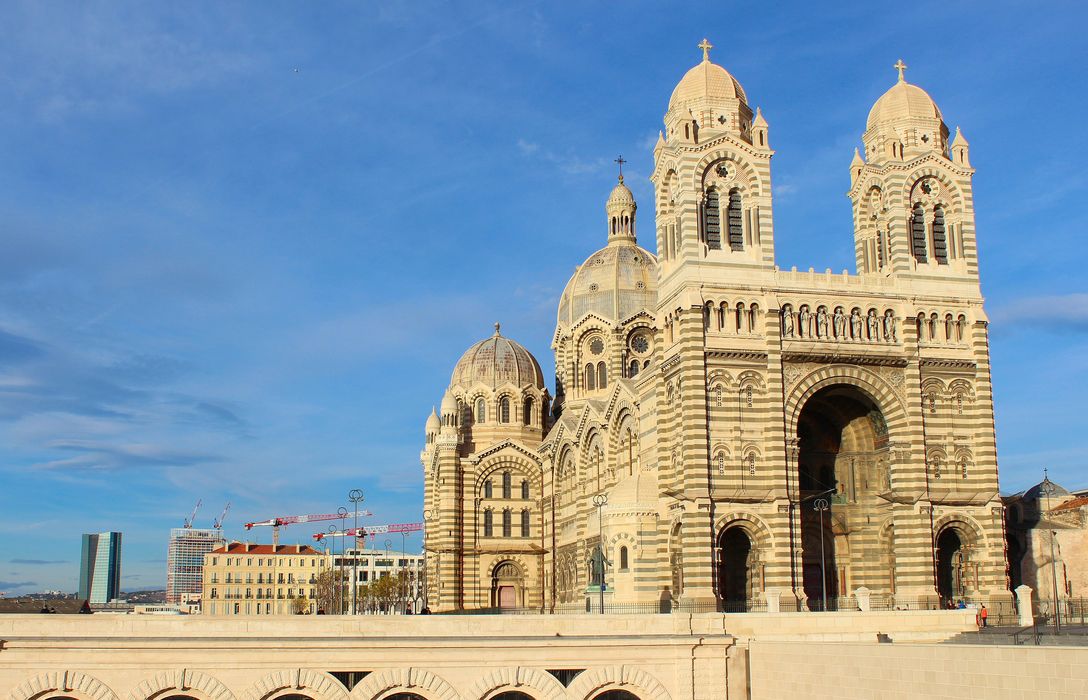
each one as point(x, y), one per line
point(243, 244)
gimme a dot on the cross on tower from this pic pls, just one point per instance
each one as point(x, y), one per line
point(900, 66)
point(620, 161)
point(706, 46)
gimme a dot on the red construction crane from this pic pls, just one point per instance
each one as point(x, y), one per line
point(277, 523)
point(362, 532)
point(189, 522)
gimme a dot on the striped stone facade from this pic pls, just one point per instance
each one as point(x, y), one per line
point(736, 435)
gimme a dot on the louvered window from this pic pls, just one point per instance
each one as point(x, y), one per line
point(602, 376)
point(712, 223)
point(940, 239)
point(507, 485)
point(525, 489)
point(488, 489)
point(489, 523)
point(504, 410)
point(525, 523)
point(918, 234)
point(591, 378)
point(507, 523)
point(481, 410)
point(736, 230)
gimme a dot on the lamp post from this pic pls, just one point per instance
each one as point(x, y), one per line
point(424, 582)
point(343, 513)
point(1048, 490)
point(339, 609)
point(600, 500)
point(822, 505)
point(356, 497)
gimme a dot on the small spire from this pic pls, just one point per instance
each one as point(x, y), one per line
point(759, 119)
point(900, 66)
point(497, 326)
point(619, 160)
point(857, 159)
point(959, 140)
point(706, 46)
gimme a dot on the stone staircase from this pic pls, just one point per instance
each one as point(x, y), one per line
point(1011, 636)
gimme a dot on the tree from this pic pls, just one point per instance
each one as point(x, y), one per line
point(300, 605)
point(327, 587)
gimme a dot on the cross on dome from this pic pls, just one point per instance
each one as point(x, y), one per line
point(620, 161)
point(497, 326)
point(900, 66)
point(706, 46)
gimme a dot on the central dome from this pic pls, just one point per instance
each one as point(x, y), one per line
point(614, 283)
point(496, 361)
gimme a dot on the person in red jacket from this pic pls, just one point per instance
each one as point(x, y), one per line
point(982, 615)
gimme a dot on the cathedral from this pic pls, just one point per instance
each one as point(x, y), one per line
point(724, 434)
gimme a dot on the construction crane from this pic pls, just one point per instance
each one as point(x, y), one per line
point(192, 518)
point(218, 524)
point(277, 523)
point(363, 532)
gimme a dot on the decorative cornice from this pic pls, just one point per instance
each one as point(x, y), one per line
point(838, 358)
point(749, 355)
point(948, 363)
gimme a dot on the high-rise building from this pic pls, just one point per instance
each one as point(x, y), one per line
point(100, 567)
point(185, 562)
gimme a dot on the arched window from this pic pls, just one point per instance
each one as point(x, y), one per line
point(918, 233)
point(753, 318)
point(525, 489)
point(963, 466)
point(527, 412)
point(940, 238)
point(507, 524)
point(740, 317)
point(718, 396)
point(488, 489)
point(623, 558)
point(960, 325)
point(507, 484)
point(481, 410)
point(633, 371)
point(880, 254)
point(712, 224)
point(751, 463)
point(736, 231)
point(949, 330)
point(525, 522)
point(489, 523)
point(602, 376)
point(935, 464)
point(721, 463)
point(504, 409)
point(591, 377)
point(748, 396)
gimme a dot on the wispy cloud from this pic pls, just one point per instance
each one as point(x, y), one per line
point(1061, 313)
point(17, 584)
point(568, 163)
point(38, 562)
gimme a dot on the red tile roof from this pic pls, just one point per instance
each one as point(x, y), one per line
point(246, 548)
point(1073, 504)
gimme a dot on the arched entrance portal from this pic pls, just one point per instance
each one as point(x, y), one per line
point(951, 585)
point(843, 467)
point(507, 586)
point(735, 559)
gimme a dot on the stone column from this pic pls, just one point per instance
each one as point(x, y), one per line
point(774, 600)
point(1023, 605)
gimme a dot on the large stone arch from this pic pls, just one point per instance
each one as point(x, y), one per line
point(183, 681)
point(534, 682)
point(963, 523)
point(752, 524)
point(318, 684)
point(595, 680)
point(878, 389)
point(414, 680)
point(82, 685)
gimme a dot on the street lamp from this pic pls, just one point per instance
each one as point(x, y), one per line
point(822, 505)
point(1048, 489)
point(340, 578)
point(423, 582)
point(356, 497)
point(343, 513)
point(600, 500)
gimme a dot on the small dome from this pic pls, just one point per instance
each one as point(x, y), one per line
point(433, 424)
point(903, 101)
point(496, 361)
point(621, 196)
point(1036, 492)
point(707, 81)
point(449, 404)
point(614, 283)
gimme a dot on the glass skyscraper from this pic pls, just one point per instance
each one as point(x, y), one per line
point(100, 567)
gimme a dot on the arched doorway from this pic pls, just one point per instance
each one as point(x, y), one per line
point(404, 696)
point(951, 583)
point(735, 569)
point(507, 586)
point(616, 695)
point(512, 695)
point(842, 472)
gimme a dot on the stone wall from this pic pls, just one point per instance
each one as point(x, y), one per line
point(790, 669)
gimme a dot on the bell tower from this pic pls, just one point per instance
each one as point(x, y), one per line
point(911, 191)
point(712, 179)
